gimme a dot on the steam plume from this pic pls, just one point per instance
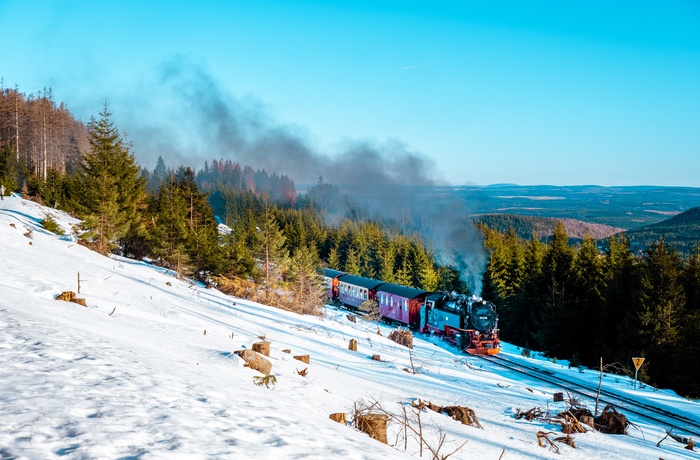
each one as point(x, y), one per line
point(204, 122)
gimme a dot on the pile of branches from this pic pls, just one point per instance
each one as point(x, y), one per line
point(402, 337)
point(535, 412)
point(462, 414)
point(611, 421)
point(570, 423)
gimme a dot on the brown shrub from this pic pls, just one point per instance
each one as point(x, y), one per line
point(611, 421)
point(402, 337)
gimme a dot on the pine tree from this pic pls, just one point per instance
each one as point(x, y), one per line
point(387, 258)
point(334, 258)
point(688, 381)
point(428, 277)
point(273, 254)
point(352, 262)
point(525, 307)
point(202, 238)
point(304, 282)
point(587, 304)
point(159, 176)
point(555, 328)
point(618, 320)
point(169, 225)
point(114, 189)
point(662, 310)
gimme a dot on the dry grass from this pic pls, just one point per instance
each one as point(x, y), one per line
point(402, 337)
point(280, 298)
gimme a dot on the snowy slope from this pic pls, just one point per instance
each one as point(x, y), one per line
point(158, 378)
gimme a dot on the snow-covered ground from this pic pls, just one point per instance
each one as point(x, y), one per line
point(148, 370)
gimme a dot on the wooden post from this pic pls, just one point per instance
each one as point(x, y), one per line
point(78, 282)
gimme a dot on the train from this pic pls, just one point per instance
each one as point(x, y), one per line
point(468, 322)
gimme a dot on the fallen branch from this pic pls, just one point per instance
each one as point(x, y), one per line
point(543, 438)
point(535, 412)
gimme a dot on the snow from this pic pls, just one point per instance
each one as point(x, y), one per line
point(148, 370)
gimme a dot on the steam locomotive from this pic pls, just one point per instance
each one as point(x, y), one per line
point(468, 322)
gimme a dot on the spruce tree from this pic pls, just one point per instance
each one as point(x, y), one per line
point(618, 323)
point(587, 303)
point(555, 324)
point(662, 311)
point(304, 282)
point(272, 252)
point(114, 189)
point(526, 305)
point(688, 382)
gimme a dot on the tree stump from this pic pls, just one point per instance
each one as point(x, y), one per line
point(352, 345)
point(374, 425)
point(66, 296)
point(338, 417)
point(69, 296)
point(255, 361)
point(79, 301)
point(352, 318)
point(558, 397)
point(262, 347)
point(376, 357)
point(303, 358)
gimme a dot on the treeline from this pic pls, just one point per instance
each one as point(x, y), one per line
point(581, 304)
point(526, 226)
point(41, 134)
point(167, 216)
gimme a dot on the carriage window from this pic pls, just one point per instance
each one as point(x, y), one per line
point(391, 301)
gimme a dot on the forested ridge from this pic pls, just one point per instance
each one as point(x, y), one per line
point(682, 230)
point(573, 302)
point(526, 226)
point(584, 304)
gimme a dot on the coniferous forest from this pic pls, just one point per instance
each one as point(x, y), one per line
point(580, 303)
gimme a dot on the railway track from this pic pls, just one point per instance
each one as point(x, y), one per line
point(681, 424)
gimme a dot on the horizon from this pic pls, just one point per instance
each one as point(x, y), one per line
point(465, 94)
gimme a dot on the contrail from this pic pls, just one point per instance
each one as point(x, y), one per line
point(408, 67)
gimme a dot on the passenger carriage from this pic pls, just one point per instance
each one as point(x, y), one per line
point(353, 289)
point(400, 304)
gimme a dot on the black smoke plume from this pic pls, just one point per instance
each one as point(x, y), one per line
point(189, 118)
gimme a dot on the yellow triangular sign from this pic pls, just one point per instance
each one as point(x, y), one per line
point(637, 362)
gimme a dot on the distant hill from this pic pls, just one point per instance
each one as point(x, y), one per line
point(682, 230)
point(627, 207)
point(526, 226)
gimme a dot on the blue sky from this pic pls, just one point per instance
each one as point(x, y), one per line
point(561, 92)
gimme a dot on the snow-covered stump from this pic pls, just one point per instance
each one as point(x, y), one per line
point(338, 417)
point(374, 425)
point(352, 346)
point(69, 296)
point(262, 347)
point(255, 361)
